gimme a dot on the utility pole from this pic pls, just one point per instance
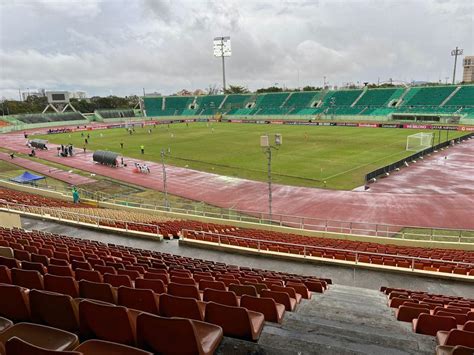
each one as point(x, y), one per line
point(455, 53)
point(267, 149)
point(222, 49)
point(165, 190)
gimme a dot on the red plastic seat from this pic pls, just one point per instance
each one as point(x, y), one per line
point(97, 291)
point(89, 275)
point(5, 275)
point(453, 350)
point(94, 346)
point(241, 290)
point(27, 278)
point(455, 337)
point(60, 270)
point(14, 304)
point(430, 324)
point(61, 284)
point(236, 322)
point(183, 280)
point(280, 297)
point(159, 335)
point(301, 289)
point(54, 309)
point(5, 323)
point(132, 274)
point(9, 262)
point(31, 265)
point(156, 286)
point(174, 306)
point(118, 280)
point(215, 285)
point(289, 290)
point(228, 298)
point(407, 314)
point(38, 258)
point(41, 336)
point(77, 264)
point(105, 269)
point(157, 276)
point(107, 322)
point(17, 346)
point(272, 311)
point(180, 290)
point(315, 286)
point(140, 299)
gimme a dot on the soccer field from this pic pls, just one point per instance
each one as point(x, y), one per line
point(310, 155)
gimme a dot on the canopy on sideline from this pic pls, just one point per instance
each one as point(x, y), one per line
point(105, 157)
point(27, 177)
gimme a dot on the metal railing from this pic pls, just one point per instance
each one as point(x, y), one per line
point(282, 220)
point(98, 221)
point(305, 250)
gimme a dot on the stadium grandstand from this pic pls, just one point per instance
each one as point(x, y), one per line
point(439, 104)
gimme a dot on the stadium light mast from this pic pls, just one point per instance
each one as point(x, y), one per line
point(165, 189)
point(455, 53)
point(222, 49)
point(267, 149)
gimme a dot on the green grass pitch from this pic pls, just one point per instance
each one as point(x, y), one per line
point(310, 155)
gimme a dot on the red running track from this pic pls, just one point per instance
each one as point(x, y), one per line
point(434, 192)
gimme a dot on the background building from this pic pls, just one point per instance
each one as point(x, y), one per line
point(468, 75)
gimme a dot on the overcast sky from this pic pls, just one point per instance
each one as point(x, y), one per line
point(119, 47)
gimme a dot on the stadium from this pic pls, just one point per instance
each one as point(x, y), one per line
point(275, 219)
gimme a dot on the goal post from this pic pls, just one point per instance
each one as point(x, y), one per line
point(419, 141)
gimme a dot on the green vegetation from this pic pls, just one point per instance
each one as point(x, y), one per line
point(309, 156)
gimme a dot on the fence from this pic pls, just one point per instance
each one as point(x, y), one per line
point(393, 166)
point(68, 215)
point(306, 251)
point(282, 220)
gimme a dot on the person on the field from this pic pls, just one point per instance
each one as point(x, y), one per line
point(75, 195)
point(142, 149)
point(121, 145)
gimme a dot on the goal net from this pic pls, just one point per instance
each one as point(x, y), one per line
point(419, 141)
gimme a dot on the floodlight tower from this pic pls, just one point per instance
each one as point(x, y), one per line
point(455, 53)
point(267, 149)
point(222, 49)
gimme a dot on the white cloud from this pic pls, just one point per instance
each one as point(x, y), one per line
point(166, 45)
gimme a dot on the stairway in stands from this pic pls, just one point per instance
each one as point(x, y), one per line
point(344, 320)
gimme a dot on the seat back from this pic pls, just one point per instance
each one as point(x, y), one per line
point(174, 306)
point(54, 309)
point(430, 324)
point(89, 275)
point(97, 291)
point(460, 337)
point(5, 275)
point(468, 326)
point(118, 280)
point(228, 298)
point(407, 313)
point(140, 299)
point(264, 305)
point(17, 346)
point(156, 286)
point(60, 270)
point(241, 290)
point(9, 261)
point(61, 284)
point(289, 290)
point(38, 258)
point(31, 265)
point(215, 285)
point(106, 322)
point(157, 276)
point(159, 334)
point(14, 303)
point(27, 278)
point(278, 297)
point(234, 320)
point(183, 290)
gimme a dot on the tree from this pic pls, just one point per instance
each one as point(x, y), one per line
point(311, 88)
point(269, 89)
point(236, 89)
